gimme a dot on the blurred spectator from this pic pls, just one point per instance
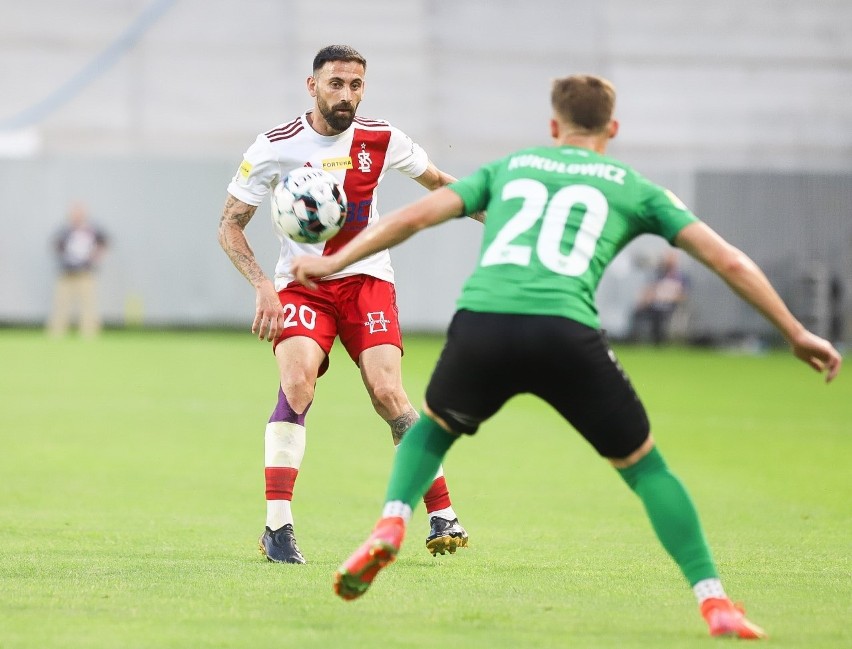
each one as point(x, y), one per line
point(79, 247)
point(660, 301)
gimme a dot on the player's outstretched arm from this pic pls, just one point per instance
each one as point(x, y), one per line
point(434, 208)
point(751, 284)
point(268, 318)
point(433, 178)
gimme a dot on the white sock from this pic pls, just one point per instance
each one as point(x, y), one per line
point(707, 588)
point(448, 513)
point(397, 508)
point(278, 514)
point(284, 446)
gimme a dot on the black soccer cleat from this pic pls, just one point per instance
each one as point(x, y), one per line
point(280, 546)
point(445, 536)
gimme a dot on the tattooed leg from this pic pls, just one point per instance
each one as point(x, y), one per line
point(401, 424)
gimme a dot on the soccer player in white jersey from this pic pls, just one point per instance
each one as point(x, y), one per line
point(357, 304)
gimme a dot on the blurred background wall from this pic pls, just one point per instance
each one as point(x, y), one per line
point(143, 109)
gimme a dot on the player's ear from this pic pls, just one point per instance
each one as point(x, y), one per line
point(312, 86)
point(554, 129)
point(612, 129)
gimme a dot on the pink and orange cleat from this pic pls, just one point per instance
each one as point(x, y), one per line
point(354, 577)
point(728, 619)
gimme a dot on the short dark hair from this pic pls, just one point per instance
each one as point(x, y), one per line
point(337, 53)
point(584, 100)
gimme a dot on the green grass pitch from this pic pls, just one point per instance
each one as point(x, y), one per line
point(132, 499)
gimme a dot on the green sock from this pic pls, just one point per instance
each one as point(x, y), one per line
point(417, 459)
point(673, 515)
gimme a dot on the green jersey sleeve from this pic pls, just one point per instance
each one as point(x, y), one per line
point(662, 212)
point(475, 189)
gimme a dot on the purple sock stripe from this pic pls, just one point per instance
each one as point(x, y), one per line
point(283, 411)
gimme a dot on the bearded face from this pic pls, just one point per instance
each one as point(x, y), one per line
point(337, 89)
point(339, 115)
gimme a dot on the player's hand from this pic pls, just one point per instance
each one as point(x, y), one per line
point(818, 353)
point(305, 268)
point(269, 315)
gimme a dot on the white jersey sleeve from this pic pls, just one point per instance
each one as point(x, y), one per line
point(259, 172)
point(405, 155)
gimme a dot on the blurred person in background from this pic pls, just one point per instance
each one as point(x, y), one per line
point(661, 298)
point(527, 322)
point(358, 303)
point(79, 247)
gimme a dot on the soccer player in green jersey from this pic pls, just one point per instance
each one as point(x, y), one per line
point(527, 323)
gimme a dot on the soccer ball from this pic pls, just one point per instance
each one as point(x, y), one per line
point(308, 206)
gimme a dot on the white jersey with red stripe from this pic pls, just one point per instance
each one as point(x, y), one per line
point(358, 157)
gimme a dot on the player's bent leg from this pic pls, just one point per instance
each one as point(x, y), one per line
point(417, 459)
point(284, 446)
point(428, 442)
point(380, 370)
point(299, 360)
point(676, 524)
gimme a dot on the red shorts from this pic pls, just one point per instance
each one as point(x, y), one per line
point(360, 309)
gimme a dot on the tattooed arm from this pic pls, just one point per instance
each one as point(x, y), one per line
point(268, 318)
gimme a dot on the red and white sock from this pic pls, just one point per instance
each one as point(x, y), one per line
point(437, 498)
point(284, 448)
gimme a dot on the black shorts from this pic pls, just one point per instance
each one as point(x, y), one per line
point(490, 357)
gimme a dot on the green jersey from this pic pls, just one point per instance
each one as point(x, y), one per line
point(557, 216)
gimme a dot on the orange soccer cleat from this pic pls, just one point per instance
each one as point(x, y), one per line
point(354, 577)
point(728, 619)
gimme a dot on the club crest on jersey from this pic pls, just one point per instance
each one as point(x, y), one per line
point(365, 163)
point(377, 322)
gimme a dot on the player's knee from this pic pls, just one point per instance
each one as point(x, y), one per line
point(388, 397)
point(287, 413)
point(299, 394)
point(623, 458)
